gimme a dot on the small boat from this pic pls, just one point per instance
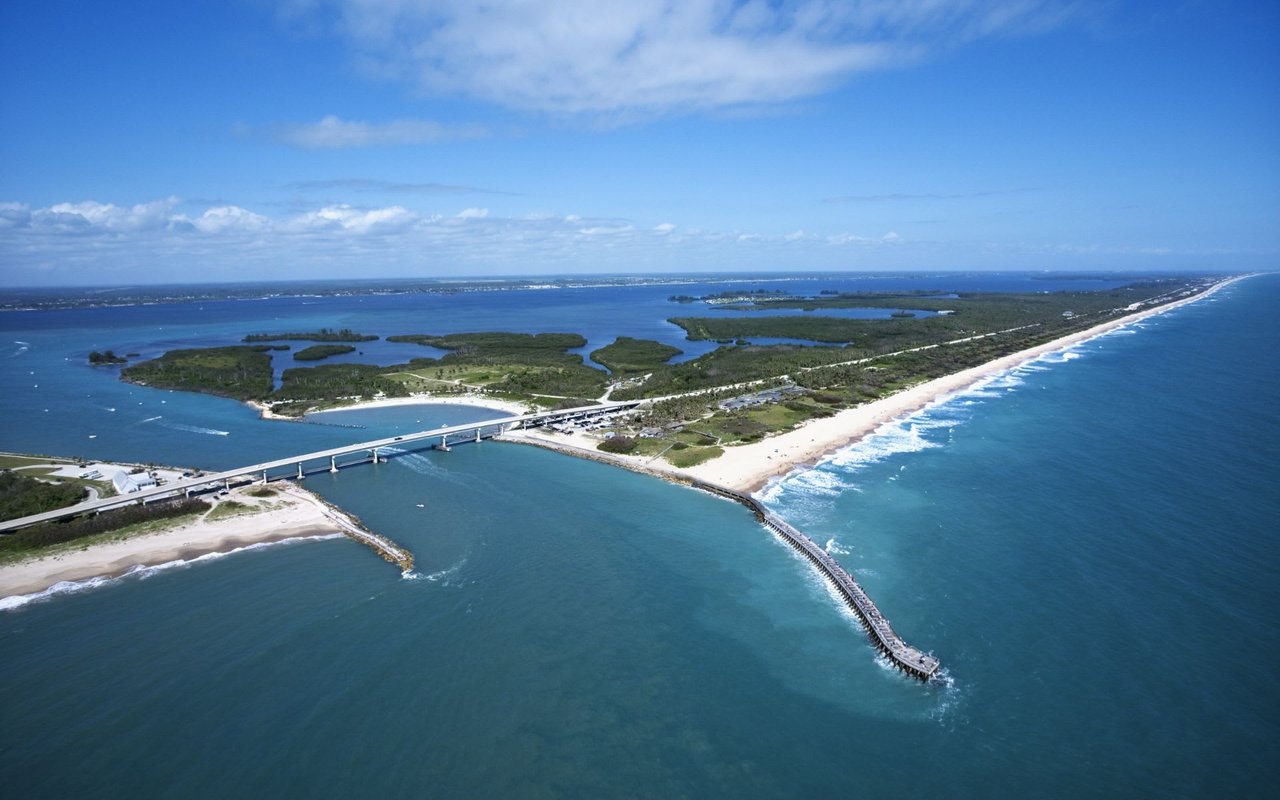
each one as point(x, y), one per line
point(422, 505)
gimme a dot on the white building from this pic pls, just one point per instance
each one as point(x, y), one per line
point(127, 483)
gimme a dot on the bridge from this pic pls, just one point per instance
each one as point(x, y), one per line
point(328, 460)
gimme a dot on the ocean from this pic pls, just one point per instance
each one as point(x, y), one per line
point(1088, 543)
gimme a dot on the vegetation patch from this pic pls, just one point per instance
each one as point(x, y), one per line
point(100, 359)
point(239, 372)
point(263, 491)
point(10, 460)
point(316, 352)
point(634, 355)
point(519, 363)
point(693, 455)
point(618, 444)
point(22, 496)
point(301, 387)
point(322, 335)
point(230, 508)
point(37, 537)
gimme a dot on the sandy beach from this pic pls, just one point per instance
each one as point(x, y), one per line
point(291, 513)
point(478, 400)
point(750, 467)
point(294, 512)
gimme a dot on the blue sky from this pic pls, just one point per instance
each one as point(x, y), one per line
point(242, 140)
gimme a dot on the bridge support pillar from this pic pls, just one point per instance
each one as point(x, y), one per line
point(264, 477)
point(333, 463)
point(300, 473)
point(444, 443)
point(375, 455)
point(226, 484)
point(477, 435)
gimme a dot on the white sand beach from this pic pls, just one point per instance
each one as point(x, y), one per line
point(291, 513)
point(476, 400)
point(749, 467)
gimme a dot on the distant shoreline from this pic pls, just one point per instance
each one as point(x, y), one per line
point(750, 467)
point(297, 513)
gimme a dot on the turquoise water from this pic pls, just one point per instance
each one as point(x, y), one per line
point(1087, 543)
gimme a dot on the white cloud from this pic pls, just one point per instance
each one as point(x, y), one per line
point(90, 215)
point(221, 219)
point(654, 56)
point(333, 133)
point(88, 238)
point(350, 219)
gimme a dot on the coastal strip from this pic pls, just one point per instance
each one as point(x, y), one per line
point(750, 467)
point(744, 469)
point(294, 513)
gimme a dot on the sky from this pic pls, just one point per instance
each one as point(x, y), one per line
point(196, 141)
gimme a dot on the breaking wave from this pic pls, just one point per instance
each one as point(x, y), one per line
point(925, 429)
point(141, 572)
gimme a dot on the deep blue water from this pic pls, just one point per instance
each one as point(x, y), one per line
point(1088, 543)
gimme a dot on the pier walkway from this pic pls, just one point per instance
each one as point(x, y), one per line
point(910, 660)
point(327, 460)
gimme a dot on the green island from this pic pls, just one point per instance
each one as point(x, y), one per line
point(628, 355)
point(109, 357)
point(318, 352)
point(242, 373)
point(513, 365)
point(734, 394)
point(322, 335)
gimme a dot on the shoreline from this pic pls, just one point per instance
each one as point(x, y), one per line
point(294, 513)
point(751, 467)
point(473, 400)
point(297, 513)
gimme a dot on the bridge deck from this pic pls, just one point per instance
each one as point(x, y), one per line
point(183, 486)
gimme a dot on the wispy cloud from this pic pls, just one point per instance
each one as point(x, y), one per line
point(659, 57)
point(223, 241)
point(334, 133)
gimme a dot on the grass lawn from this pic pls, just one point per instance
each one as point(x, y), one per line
point(9, 461)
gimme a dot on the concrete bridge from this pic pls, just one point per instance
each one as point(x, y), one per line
point(328, 460)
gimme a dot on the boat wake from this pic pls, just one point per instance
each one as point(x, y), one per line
point(178, 426)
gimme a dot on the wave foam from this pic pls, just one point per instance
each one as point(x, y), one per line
point(141, 572)
point(835, 548)
point(435, 577)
